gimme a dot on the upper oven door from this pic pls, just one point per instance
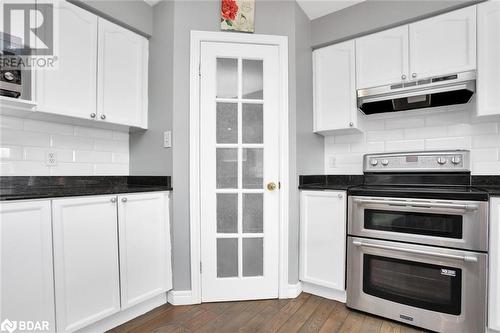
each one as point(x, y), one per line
point(447, 223)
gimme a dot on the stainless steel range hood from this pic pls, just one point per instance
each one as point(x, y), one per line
point(424, 93)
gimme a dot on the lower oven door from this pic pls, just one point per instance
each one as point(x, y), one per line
point(438, 289)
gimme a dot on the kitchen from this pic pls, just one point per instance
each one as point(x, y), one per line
point(205, 212)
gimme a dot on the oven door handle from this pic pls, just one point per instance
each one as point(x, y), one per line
point(429, 253)
point(464, 207)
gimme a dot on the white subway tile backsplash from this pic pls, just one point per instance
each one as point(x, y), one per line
point(11, 122)
point(453, 127)
point(47, 127)
point(404, 145)
point(40, 154)
point(65, 141)
point(80, 150)
point(93, 132)
point(448, 143)
point(11, 153)
point(384, 135)
point(24, 138)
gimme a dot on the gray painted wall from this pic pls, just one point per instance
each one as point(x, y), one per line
point(375, 15)
point(135, 15)
point(169, 107)
point(147, 155)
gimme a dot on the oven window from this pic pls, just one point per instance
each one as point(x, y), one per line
point(420, 285)
point(439, 225)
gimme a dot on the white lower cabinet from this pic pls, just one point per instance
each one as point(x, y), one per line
point(86, 267)
point(323, 243)
point(494, 258)
point(144, 235)
point(26, 278)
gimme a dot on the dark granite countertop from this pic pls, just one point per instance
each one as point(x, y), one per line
point(329, 182)
point(490, 184)
point(38, 187)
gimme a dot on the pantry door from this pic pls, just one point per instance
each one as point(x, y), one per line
point(239, 171)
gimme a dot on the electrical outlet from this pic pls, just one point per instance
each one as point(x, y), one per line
point(167, 139)
point(51, 158)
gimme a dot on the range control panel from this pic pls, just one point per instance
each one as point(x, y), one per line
point(423, 161)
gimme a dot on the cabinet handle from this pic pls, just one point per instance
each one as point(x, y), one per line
point(103, 116)
point(92, 115)
point(403, 77)
point(340, 196)
point(351, 124)
point(413, 75)
point(124, 199)
point(113, 200)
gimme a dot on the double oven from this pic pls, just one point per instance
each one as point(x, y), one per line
point(417, 249)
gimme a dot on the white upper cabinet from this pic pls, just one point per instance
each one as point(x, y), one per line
point(122, 76)
point(144, 234)
point(86, 266)
point(382, 58)
point(27, 282)
point(444, 44)
point(488, 58)
point(323, 239)
point(334, 85)
point(70, 89)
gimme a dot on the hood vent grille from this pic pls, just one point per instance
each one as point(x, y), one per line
point(425, 93)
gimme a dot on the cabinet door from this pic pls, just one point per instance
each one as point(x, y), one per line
point(144, 235)
point(494, 257)
point(323, 238)
point(444, 44)
point(334, 87)
point(382, 58)
point(488, 61)
point(70, 89)
point(85, 260)
point(27, 282)
point(122, 95)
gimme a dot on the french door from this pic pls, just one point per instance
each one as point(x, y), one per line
point(240, 149)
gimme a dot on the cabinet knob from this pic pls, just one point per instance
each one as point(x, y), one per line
point(403, 77)
point(340, 196)
point(413, 75)
point(113, 200)
point(124, 199)
point(103, 116)
point(92, 115)
point(351, 124)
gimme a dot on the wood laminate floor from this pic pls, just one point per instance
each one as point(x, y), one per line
point(306, 313)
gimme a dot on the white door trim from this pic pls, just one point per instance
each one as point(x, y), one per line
point(197, 37)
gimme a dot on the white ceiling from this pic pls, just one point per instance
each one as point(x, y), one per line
point(312, 8)
point(318, 8)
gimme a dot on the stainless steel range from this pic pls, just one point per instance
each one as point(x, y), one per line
point(418, 241)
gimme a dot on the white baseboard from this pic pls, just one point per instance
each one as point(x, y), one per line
point(294, 290)
point(180, 297)
point(337, 295)
point(123, 316)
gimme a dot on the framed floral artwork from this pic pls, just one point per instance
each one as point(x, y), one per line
point(237, 15)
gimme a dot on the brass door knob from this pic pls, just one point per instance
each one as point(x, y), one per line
point(271, 186)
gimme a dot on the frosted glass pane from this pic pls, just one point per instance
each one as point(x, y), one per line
point(253, 168)
point(252, 79)
point(227, 168)
point(253, 256)
point(227, 78)
point(252, 123)
point(227, 257)
point(227, 123)
point(227, 212)
point(253, 212)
